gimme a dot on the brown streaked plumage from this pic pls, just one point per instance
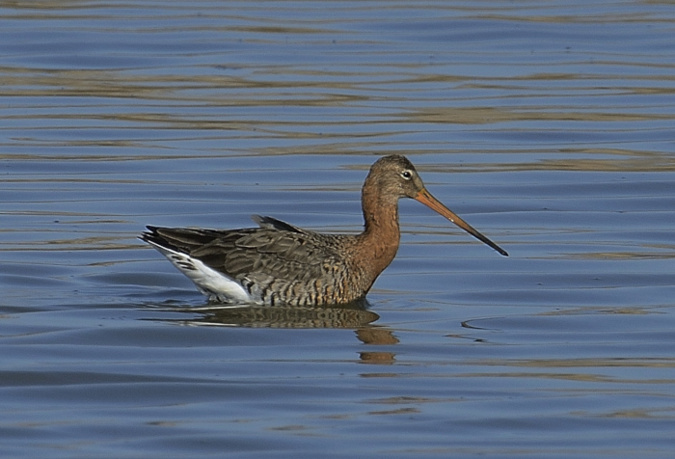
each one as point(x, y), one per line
point(279, 263)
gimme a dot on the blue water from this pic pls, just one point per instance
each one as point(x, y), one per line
point(547, 126)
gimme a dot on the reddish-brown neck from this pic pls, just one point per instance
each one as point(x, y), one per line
point(381, 234)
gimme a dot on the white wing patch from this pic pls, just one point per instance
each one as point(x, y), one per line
point(216, 285)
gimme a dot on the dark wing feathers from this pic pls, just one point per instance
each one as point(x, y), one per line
point(182, 239)
point(277, 249)
point(273, 223)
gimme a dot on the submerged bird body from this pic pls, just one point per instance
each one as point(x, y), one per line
point(273, 264)
point(279, 263)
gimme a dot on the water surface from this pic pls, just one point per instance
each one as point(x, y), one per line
point(548, 126)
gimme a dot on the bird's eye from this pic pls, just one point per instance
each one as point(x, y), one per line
point(406, 174)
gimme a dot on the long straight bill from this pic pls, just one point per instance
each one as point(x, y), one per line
point(428, 200)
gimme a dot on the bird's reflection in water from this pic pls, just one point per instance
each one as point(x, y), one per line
point(354, 316)
point(378, 336)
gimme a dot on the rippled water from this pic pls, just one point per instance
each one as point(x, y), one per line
point(548, 126)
